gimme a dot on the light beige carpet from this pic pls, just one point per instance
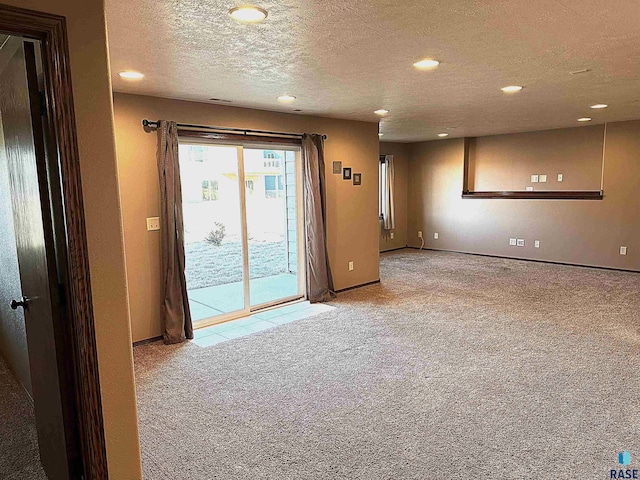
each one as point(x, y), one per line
point(456, 366)
point(19, 457)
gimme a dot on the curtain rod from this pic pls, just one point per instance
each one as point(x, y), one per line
point(242, 131)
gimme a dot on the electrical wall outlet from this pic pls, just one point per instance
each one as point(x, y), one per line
point(435, 235)
point(543, 179)
point(560, 177)
point(529, 189)
point(351, 266)
point(536, 244)
point(153, 224)
point(512, 242)
point(623, 250)
point(419, 234)
point(535, 178)
point(391, 235)
point(521, 242)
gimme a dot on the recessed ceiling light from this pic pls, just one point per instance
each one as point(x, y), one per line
point(131, 75)
point(511, 89)
point(286, 98)
point(584, 119)
point(248, 14)
point(599, 105)
point(382, 111)
point(426, 64)
point(443, 134)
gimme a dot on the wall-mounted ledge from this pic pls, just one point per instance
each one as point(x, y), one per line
point(548, 195)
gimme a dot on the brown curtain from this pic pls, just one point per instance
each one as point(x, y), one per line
point(319, 279)
point(175, 313)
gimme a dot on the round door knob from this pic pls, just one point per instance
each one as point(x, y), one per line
point(22, 303)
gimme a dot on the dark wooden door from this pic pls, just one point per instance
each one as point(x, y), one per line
point(26, 158)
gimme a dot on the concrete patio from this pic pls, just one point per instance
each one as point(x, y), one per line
point(220, 299)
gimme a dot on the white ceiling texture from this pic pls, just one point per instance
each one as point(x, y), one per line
point(345, 59)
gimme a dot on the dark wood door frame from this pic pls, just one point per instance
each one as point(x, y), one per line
point(60, 127)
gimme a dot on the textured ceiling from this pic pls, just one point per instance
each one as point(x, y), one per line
point(345, 59)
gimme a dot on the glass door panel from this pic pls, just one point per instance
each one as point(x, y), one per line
point(271, 191)
point(213, 224)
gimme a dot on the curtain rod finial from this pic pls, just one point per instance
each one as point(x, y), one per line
point(148, 125)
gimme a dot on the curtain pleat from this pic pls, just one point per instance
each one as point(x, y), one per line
point(175, 312)
point(319, 278)
point(388, 207)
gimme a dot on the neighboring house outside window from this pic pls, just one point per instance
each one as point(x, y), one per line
point(273, 186)
point(196, 153)
point(209, 190)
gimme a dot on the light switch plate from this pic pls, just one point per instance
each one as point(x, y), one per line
point(560, 177)
point(623, 250)
point(512, 242)
point(350, 266)
point(153, 224)
point(536, 244)
point(391, 235)
point(529, 189)
point(435, 235)
point(543, 179)
point(535, 178)
point(521, 242)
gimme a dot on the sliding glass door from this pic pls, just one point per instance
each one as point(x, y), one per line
point(242, 222)
point(272, 225)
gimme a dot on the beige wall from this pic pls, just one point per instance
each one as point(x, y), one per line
point(506, 162)
point(400, 152)
point(94, 116)
point(585, 232)
point(352, 211)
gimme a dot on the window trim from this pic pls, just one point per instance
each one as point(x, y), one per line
point(382, 167)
